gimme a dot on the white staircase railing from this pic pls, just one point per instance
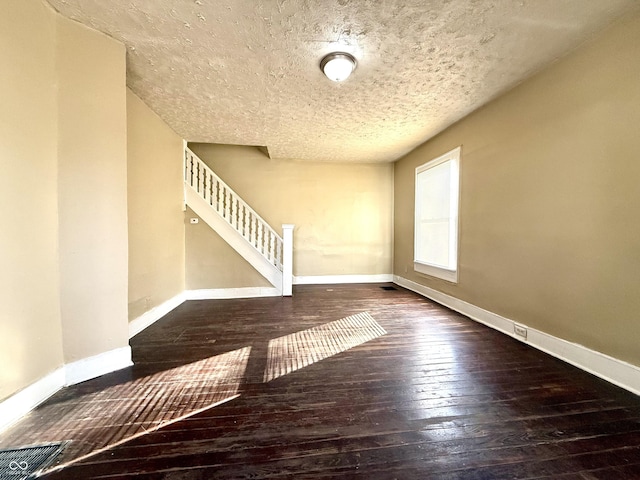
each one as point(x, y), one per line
point(239, 215)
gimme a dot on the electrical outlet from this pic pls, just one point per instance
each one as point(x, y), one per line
point(520, 331)
point(193, 220)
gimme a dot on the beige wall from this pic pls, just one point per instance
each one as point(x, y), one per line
point(549, 232)
point(30, 313)
point(212, 263)
point(92, 195)
point(155, 200)
point(342, 212)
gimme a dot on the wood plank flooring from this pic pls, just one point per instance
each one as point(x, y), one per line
point(348, 381)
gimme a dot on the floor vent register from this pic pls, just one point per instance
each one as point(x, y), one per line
point(23, 463)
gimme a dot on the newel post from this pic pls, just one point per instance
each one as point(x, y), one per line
point(287, 260)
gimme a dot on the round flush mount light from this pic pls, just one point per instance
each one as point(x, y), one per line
point(338, 66)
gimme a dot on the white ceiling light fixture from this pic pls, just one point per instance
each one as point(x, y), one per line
point(338, 66)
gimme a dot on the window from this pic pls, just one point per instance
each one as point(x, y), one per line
point(436, 217)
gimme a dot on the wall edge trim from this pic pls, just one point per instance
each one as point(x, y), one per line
point(16, 406)
point(613, 370)
point(336, 279)
point(149, 317)
point(97, 365)
point(229, 293)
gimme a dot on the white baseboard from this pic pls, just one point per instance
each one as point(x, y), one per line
point(226, 293)
point(16, 406)
point(19, 404)
point(147, 319)
point(335, 279)
point(611, 369)
point(156, 313)
point(97, 365)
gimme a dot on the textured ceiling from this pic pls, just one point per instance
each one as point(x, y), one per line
point(246, 72)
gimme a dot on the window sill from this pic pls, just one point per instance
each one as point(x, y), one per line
point(438, 272)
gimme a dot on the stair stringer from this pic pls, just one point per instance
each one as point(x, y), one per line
point(229, 234)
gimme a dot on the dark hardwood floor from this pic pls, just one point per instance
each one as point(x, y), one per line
point(312, 387)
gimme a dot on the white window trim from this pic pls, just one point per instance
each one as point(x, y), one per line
point(423, 267)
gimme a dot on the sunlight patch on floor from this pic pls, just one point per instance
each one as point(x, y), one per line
point(150, 403)
point(292, 352)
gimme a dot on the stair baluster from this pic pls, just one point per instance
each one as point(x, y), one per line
point(202, 182)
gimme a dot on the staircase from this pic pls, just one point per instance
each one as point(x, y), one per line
point(238, 224)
